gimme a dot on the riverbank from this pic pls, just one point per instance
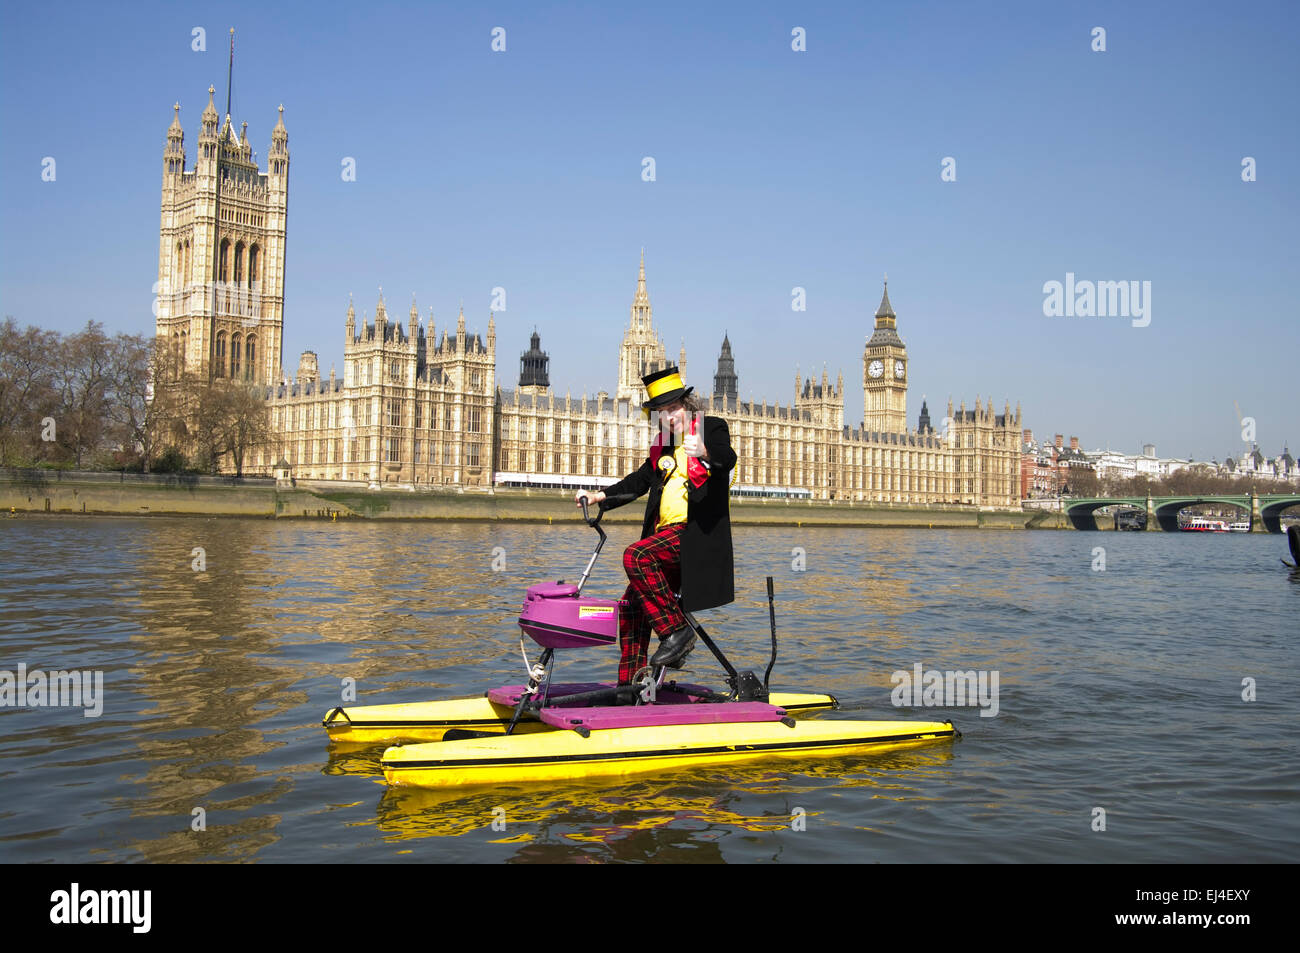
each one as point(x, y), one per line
point(137, 494)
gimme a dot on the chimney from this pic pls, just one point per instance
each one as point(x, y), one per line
point(1029, 436)
point(1074, 443)
point(1060, 441)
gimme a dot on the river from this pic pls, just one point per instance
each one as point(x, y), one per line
point(1145, 709)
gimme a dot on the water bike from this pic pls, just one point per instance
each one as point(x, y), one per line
point(548, 730)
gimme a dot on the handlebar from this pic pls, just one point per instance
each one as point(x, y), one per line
point(608, 503)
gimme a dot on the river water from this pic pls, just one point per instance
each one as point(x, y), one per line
point(1148, 686)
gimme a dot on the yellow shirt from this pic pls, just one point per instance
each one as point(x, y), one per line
point(672, 504)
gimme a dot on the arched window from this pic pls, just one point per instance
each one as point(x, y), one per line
point(235, 342)
point(223, 270)
point(254, 262)
point(250, 356)
point(239, 263)
point(219, 365)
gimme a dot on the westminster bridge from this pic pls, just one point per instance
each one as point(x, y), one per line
point(1162, 511)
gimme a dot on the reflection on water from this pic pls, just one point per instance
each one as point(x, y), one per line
point(1120, 687)
point(675, 795)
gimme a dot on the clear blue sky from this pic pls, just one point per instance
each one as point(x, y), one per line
point(775, 169)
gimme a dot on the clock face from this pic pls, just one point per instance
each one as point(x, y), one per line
point(876, 368)
point(898, 369)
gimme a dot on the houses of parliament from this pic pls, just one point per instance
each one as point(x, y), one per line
point(418, 407)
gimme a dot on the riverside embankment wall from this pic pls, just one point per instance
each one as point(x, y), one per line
point(50, 491)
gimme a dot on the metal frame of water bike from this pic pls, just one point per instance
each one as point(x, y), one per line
point(745, 685)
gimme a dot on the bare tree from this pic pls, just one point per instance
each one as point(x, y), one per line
point(248, 422)
point(83, 376)
point(143, 409)
point(27, 392)
point(1083, 482)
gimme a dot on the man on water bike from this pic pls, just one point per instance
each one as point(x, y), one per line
point(685, 540)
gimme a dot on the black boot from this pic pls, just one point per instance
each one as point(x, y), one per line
point(674, 648)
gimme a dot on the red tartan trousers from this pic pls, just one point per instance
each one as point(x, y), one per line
point(654, 572)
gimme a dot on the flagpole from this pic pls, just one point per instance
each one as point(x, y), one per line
point(230, 70)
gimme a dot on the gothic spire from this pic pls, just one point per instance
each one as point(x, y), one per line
point(885, 310)
point(642, 297)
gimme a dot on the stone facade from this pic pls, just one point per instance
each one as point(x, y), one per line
point(410, 413)
point(410, 409)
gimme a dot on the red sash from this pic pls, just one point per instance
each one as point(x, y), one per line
point(696, 472)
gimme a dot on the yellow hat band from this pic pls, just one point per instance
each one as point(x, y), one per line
point(664, 385)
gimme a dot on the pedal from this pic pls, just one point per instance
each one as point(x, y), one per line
point(645, 684)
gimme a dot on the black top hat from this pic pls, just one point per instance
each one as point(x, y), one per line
point(664, 387)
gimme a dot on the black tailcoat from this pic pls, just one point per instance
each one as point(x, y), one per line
point(707, 563)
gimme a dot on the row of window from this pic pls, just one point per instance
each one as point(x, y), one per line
point(540, 461)
point(313, 416)
point(241, 362)
point(241, 217)
point(242, 359)
point(361, 449)
point(246, 261)
point(369, 369)
point(856, 457)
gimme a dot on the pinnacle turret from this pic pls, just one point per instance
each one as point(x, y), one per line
point(174, 152)
point(210, 115)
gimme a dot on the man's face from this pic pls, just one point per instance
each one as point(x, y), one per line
point(675, 416)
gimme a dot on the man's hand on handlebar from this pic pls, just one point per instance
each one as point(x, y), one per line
point(592, 498)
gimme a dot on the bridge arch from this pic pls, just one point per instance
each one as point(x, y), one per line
point(1082, 513)
point(1162, 512)
point(1271, 509)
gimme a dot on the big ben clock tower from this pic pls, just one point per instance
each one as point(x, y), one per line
point(884, 374)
